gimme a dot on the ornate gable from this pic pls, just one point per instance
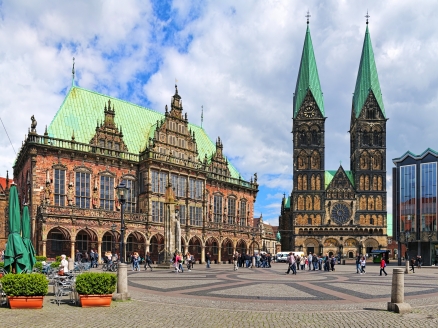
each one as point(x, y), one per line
point(340, 187)
point(309, 108)
point(107, 134)
point(218, 163)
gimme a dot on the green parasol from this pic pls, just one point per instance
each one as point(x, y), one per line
point(15, 249)
point(25, 234)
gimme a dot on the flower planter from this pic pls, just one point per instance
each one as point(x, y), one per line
point(95, 300)
point(26, 302)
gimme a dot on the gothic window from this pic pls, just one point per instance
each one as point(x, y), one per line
point(217, 210)
point(367, 182)
point(59, 184)
point(365, 138)
point(363, 203)
point(302, 161)
point(157, 211)
point(196, 215)
point(318, 183)
point(371, 203)
point(361, 182)
point(116, 146)
point(379, 203)
point(374, 182)
point(182, 183)
point(199, 189)
point(130, 196)
point(315, 160)
point(302, 138)
point(300, 182)
point(364, 161)
point(182, 214)
point(231, 210)
point(107, 192)
point(309, 203)
point(304, 182)
point(243, 212)
point(370, 113)
point(379, 183)
point(312, 182)
point(309, 221)
point(82, 186)
point(300, 203)
point(377, 161)
point(316, 203)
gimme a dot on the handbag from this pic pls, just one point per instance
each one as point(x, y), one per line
point(61, 272)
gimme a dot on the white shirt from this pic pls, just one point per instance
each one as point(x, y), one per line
point(64, 264)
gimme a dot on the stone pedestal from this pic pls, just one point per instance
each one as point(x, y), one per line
point(71, 264)
point(122, 284)
point(253, 262)
point(406, 267)
point(397, 303)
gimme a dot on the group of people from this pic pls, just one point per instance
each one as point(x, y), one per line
point(311, 262)
point(261, 260)
point(179, 260)
point(416, 262)
point(92, 257)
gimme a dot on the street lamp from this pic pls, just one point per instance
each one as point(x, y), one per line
point(122, 190)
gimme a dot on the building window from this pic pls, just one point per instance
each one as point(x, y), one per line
point(130, 196)
point(182, 214)
point(107, 192)
point(428, 197)
point(192, 183)
point(182, 183)
point(59, 182)
point(199, 189)
point(157, 211)
point(231, 210)
point(163, 180)
point(217, 210)
point(82, 190)
point(243, 213)
point(195, 214)
point(174, 179)
point(154, 181)
point(407, 198)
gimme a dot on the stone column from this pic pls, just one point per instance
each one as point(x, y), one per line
point(397, 304)
point(186, 248)
point(147, 246)
point(202, 260)
point(44, 248)
point(72, 249)
point(122, 283)
point(99, 251)
point(219, 256)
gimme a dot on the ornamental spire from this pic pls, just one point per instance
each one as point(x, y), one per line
point(367, 78)
point(308, 78)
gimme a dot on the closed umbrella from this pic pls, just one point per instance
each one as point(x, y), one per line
point(25, 234)
point(15, 248)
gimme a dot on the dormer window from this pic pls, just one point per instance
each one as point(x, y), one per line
point(102, 143)
point(110, 145)
point(117, 146)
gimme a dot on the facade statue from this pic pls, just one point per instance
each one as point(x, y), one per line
point(33, 125)
point(47, 193)
point(177, 234)
point(95, 199)
point(278, 236)
point(70, 194)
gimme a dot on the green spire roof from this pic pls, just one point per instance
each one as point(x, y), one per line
point(367, 78)
point(308, 77)
point(82, 108)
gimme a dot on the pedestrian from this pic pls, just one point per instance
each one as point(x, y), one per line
point(207, 259)
point(314, 262)
point(189, 261)
point(357, 263)
point(147, 261)
point(135, 259)
point(298, 262)
point(412, 265)
point(419, 261)
point(310, 260)
point(78, 257)
point(332, 263)
point(383, 266)
point(235, 258)
point(269, 260)
point(363, 263)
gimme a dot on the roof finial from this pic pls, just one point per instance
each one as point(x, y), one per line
point(73, 72)
point(308, 16)
point(367, 16)
point(202, 115)
point(176, 86)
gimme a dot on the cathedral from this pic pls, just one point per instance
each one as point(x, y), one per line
point(339, 212)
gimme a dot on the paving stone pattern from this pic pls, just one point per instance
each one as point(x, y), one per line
point(221, 297)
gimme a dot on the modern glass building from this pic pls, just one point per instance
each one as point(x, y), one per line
point(415, 205)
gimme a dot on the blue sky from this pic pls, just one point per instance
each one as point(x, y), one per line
point(239, 60)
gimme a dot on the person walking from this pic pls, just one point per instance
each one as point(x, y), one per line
point(363, 263)
point(357, 263)
point(147, 261)
point(310, 260)
point(412, 265)
point(382, 266)
point(314, 261)
point(208, 259)
point(235, 258)
point(189, 261)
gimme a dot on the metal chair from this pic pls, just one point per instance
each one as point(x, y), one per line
point(65, 286)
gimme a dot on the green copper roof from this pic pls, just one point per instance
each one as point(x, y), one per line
point(287, 204)
point(414, 156)
point(82, 109)
point(329, 175)
point(308, 77)
point(367, 78)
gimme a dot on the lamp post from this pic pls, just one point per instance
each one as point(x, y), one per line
point(122, 190)
point(122, 270)
point(407, 235)
point(113, 229)
point(253, 255)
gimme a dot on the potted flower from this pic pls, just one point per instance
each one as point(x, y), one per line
point(95, 289)
point(25, 291)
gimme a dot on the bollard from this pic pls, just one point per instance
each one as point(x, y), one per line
point(71, 264)
point(397, 303)
point(122, 283)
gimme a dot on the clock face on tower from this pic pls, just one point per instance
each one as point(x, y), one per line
point(309, 112)
point(340, 213)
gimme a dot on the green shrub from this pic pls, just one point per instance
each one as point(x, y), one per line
point(39, 266)
point(31, 284)
point(95, 283)
point(41, 258)
point(2, 265)
point(58, 258)
point(55, 264)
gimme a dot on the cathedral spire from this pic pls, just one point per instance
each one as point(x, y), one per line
point(308, 78)
point(367, 78)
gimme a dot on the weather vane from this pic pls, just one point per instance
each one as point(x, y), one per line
point(308, 16)
point(367, 16)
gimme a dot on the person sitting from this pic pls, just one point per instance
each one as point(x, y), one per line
point(64, 265)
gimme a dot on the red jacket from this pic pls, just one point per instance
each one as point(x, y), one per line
point(382, 263)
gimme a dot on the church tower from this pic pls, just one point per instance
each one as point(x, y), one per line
point(368, 143)
point(308, 147)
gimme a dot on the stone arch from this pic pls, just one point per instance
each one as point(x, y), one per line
point(309, 205)
point(212, 246)
point(302, 161)
point(135, 242)
point(377, 161)
point(300, 201)
point(331, 242)
point(364, 161)
point(58, 241)
point(379, 205)
point(311, 246)
point(351, 242)
point(371, 243)
point(241, 246)
point(253, 247)
point(156, 247)
point(227, 246)
point(83, 240)
point(195, 245)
